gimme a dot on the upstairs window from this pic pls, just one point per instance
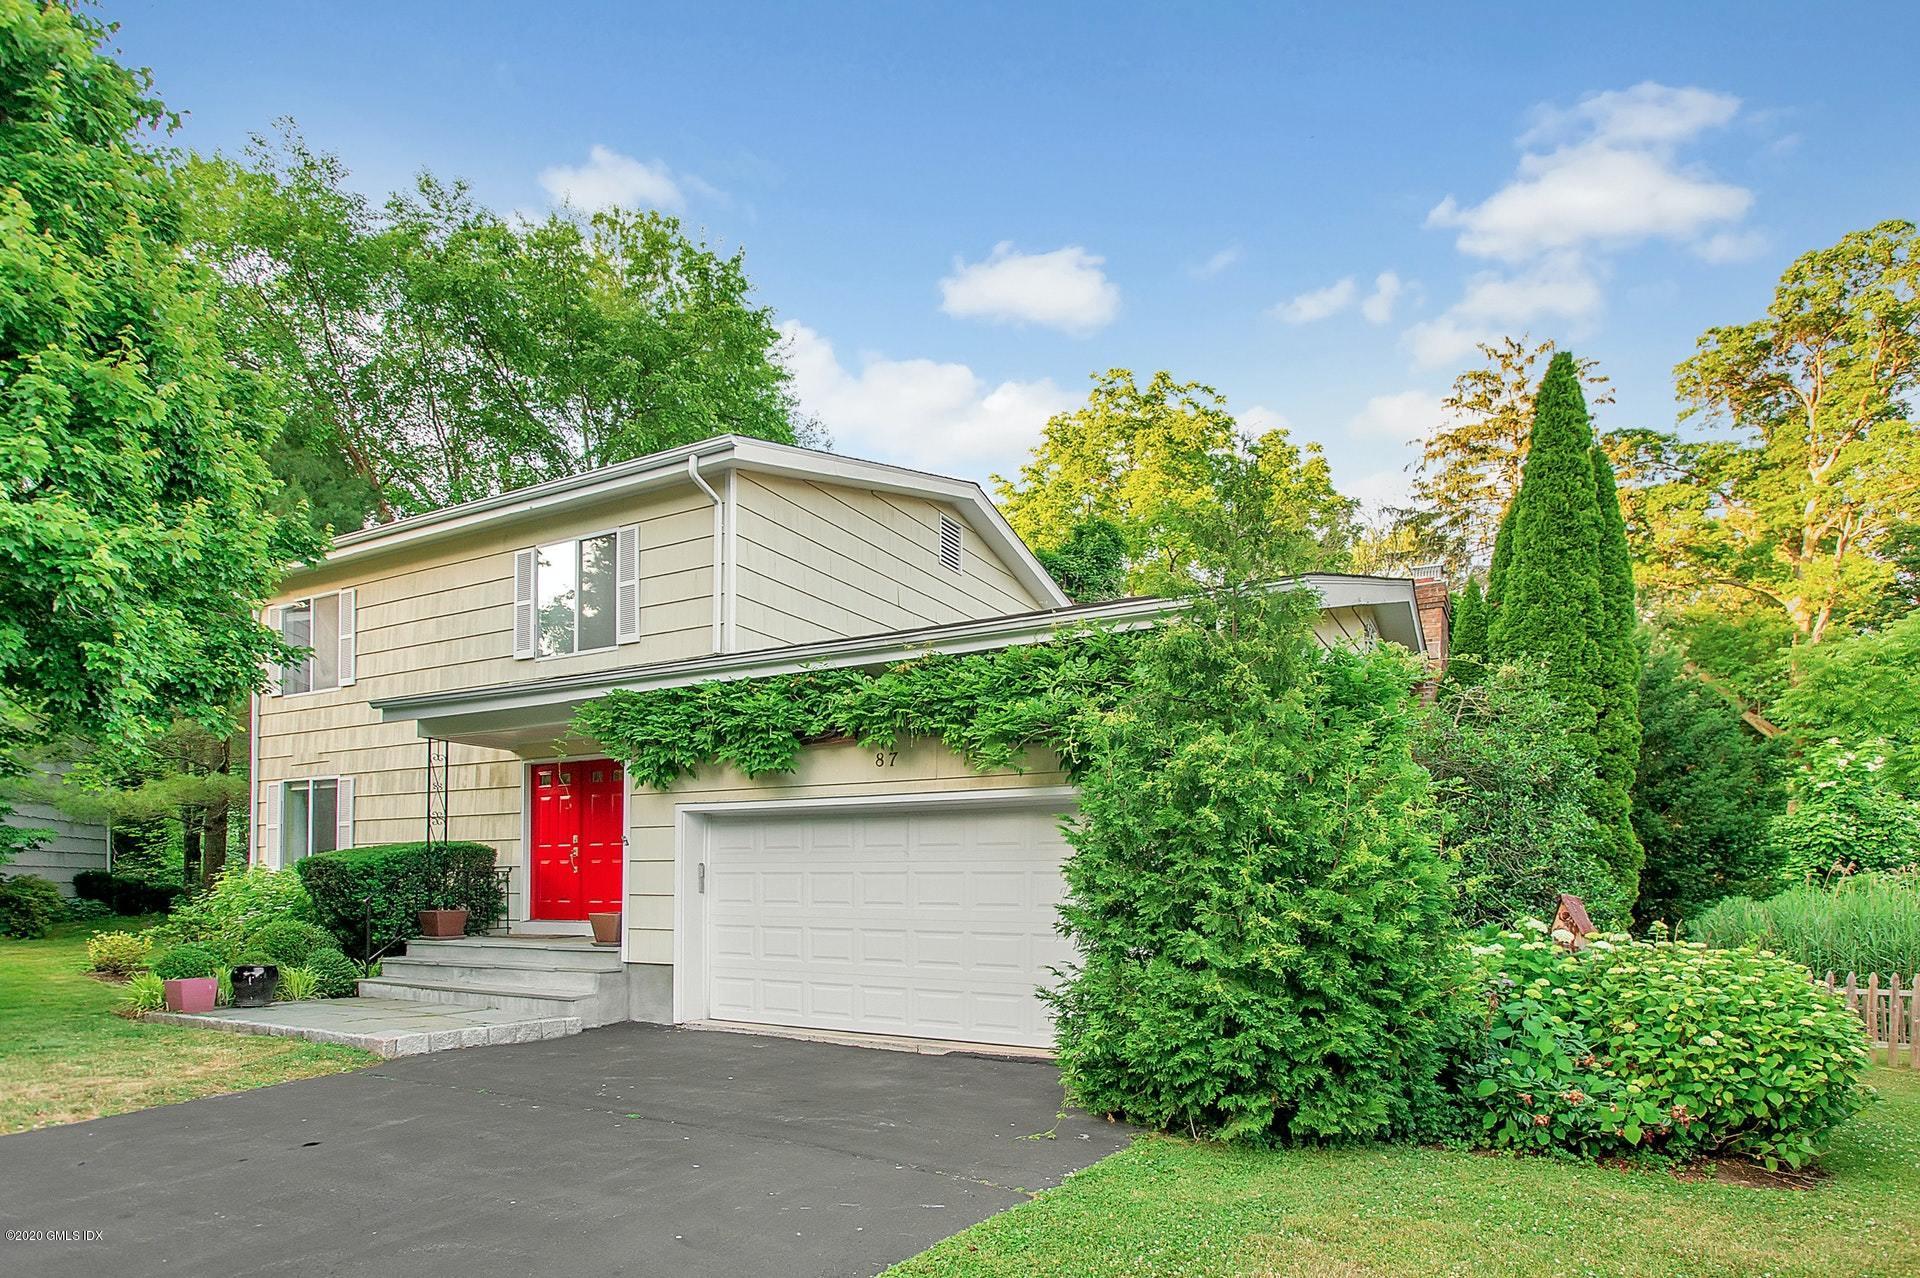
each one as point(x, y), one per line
point(324, 625)
point(578, 595)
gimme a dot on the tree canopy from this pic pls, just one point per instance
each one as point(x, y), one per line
point(1470, 466)
point(1144, 458)
point(1798, 508)
point(430, 351)
point(135, 531)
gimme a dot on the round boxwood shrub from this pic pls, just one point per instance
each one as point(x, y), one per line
point(29, 905)
point(184, 962)
point(334, 974)
point(1664, 1047)
point(290, 941)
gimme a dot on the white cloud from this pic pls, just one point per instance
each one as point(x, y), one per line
point(919, 412)
point(1400, 418)
point(1378, 308)
point(1227, 257)
point(1600, 176)
point(1260, 419)
point(1306, 308)
point(1065, 289)
point(1645, 114)
point(609, 178)
point(1561, 287)
point(1377, 490)
point(1592, 193)
point(1731, 246)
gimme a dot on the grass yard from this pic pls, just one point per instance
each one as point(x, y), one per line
point(1168, 1206)
point(64, 1055)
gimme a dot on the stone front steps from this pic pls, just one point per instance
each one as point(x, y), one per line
point(533, 977)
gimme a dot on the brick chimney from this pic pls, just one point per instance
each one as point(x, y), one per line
point(1430, 597)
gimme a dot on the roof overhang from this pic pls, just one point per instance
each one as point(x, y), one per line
point(677, 466)
point(513, 714)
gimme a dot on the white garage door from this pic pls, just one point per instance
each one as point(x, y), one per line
point(929, 923)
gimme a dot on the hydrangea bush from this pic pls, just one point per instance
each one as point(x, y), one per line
point(1655, 1046)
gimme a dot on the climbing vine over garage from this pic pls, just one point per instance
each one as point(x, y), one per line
point(987, 707)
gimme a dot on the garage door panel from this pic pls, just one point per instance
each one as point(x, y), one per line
point(932, 925)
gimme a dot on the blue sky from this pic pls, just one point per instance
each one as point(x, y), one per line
point(962, 212)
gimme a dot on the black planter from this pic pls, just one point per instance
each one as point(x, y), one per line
point(254, 984)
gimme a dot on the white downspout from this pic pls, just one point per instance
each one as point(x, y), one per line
point(719, 550)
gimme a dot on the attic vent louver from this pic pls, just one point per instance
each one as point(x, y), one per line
point(949, 544)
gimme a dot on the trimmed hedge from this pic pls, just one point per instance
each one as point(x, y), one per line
point(370, 897)
point(289, 942)
point(334, 974)
point(124, 895)
point(185, 962)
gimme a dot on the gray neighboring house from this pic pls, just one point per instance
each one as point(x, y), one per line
point(75, 845)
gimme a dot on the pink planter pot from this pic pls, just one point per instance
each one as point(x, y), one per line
point(192, 994)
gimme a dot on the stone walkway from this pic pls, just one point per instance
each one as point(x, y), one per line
point(389, 1027)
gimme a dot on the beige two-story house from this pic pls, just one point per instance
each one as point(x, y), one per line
point(899, 894)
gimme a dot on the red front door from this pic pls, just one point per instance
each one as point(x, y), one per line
point(577, 814)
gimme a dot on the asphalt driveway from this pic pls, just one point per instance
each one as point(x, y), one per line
point(631, 1149)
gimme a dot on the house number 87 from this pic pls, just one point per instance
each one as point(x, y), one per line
point(886, 758)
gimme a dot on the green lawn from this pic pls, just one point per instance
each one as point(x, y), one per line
point(1169, 1206)
point(64, 1055)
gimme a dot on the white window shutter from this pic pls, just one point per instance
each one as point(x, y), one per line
point(270, 792)
point(626, 590)
point(523, 636)
point(349, 644)
point(343, 812)
point(270, 618)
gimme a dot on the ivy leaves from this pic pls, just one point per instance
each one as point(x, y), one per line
point(990, 708)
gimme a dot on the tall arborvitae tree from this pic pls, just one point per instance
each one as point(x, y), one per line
point(1562, 601)
point(1617, 696)
point(1467, 644)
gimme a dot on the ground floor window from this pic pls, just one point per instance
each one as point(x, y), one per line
point(316, 816)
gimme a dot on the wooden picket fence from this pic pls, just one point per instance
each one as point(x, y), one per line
point(1890, 1012)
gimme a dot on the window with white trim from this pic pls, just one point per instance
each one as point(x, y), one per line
point(578, 595)
point(324, 625)
point(314, 814)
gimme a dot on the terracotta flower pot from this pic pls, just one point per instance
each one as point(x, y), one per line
point(606, 927)
point(441, 924)
point(192, 993)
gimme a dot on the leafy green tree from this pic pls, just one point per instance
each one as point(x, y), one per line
point(1706, 787)
point(429, 351)
point(1467, 642)
point(135, 532)
point(1847, 820)
point(1513, 791)
point(1559, 600)
point(1799, 512)
point(1863, 691)
point(1260, 910)
point(1470, 466)
point(1091, 564)
point(1142, 458)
